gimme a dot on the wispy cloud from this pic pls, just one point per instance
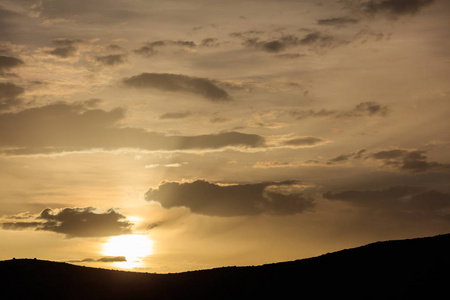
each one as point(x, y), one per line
point(204, 87)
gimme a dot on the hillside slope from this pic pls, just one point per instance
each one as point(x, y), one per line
point(418, 268)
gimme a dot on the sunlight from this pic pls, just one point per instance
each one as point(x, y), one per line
point(134, 247)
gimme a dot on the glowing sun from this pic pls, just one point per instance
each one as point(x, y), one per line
point(132, 246)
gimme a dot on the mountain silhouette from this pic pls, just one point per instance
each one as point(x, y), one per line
point(401, 269)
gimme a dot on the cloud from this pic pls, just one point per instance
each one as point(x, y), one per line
point(315, 41)
point(179, 83)
point(64, 48)
point(173, 165)
point(112, 259)
point(202, 197)
point(294, 164)
point(347, 157)
point(177, 115)
point(275, 164)
point(63, 127)
point(289, 55)
point(152, 48)
point(75, 222)
point(338, 21)
point(398, 199)
point(106, 259)
point(369, 108)
point(305, 141)
point(111, 60)
point(415, 161)
point(85, 11)
point(9, 93)
point(408, 160)
point(209, 42)
point(7, 62)
point(395, 7)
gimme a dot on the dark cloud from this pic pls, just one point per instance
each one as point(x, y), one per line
point(113, 47)
point(347, 157)
point(176, 115)
point(304, 141)
point(112, 59)
point(289, 55)
point(315, 41)
point(399, 199)
point(152, 48)
point(414, 161)
point(315, 38)
point(106, 259)
point(9, 93)
point(19, 225)
point(112, 259)
point(7, 62)
point(178, 83)
point(209, 42)
point(76, 222)
point(339, 21)
point(362, 109)
point(63, 127)
point(85, 11)
point(212, 199)
point(64, 48)
point(273, 46)
point(395, 7)
point(371, 108)
point(408, 160)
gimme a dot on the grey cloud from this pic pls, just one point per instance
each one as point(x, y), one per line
point(112, 59)
point(7, 62)
point(409, 160)
point(178, 83)
point(316, 38)
point(19, 225)
point(338, 21)
point(63, 127)
point(84, 11)
point(209, 42)
point(395, 7)
point(212, 199)
point(76, 222)
point(152, 48)
point(113, 47)
point(175, 115)
point(347, 157)
point(273, 46)
point(304, 141)
point(399, 199)
point(414, 161)
point(369, 108)
point(9, 93)
point(106, 259)
point(289, 55)
point(316, 41)
point(112, 259)
point(64, 47)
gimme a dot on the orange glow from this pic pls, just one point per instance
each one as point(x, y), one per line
point(134, 247)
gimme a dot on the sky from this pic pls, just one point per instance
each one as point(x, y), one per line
point(167, 136)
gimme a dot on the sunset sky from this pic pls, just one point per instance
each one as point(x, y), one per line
point(166, 136)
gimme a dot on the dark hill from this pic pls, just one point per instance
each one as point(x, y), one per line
point(404, 269)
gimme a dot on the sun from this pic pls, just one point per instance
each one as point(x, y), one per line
point(133, 246)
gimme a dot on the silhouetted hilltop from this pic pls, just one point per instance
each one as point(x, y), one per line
point(404, 269)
